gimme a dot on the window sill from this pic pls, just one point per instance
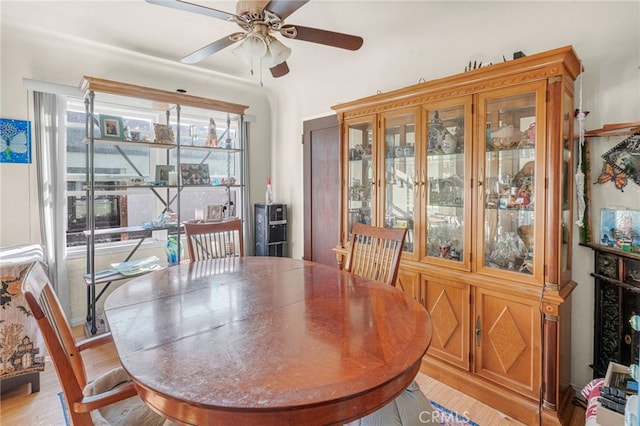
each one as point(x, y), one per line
point(77, 252)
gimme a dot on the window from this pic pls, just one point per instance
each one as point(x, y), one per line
point(118, 203)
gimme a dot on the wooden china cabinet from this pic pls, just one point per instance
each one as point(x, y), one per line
point(477, 167)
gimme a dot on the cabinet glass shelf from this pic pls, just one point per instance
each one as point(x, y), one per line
point(163, 145)
point(509, 182)
point(446, 171)
point(132, 143)
point(398, 191)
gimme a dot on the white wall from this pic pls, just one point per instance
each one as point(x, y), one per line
point(388, 60)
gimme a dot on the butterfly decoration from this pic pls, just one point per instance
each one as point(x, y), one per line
point(15, 141)
point(608, 174)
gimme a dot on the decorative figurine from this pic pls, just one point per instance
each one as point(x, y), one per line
point(212, 138)
point(435, 133)
point(448, 144)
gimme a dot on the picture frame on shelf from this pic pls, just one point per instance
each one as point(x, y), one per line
point(214, 213)
point(164, 134)
point(111, 127)
point(620, 229)
point(194, 174)
point(162, 173)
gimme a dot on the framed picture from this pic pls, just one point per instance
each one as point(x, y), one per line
point(625, 157)
point(620, 228)
point(164, 134)
point(162, 172)
point(194, 174)
point(111, 127)
point(15, 141)
point(214, 213)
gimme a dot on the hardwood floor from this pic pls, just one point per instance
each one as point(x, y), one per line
point(19, 407)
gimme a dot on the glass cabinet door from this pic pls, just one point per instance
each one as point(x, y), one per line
point(399, 173)
point(448, 153)
point(360, 174)
point(566, 190)
point(509, 177)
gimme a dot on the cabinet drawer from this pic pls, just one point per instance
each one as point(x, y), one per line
point(607, 265)
point(632, 273)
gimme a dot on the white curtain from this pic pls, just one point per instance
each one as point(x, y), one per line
point(50, 145)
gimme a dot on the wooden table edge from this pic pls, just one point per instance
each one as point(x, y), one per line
point(335, 413)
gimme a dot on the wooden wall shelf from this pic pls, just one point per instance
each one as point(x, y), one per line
point(614, 129)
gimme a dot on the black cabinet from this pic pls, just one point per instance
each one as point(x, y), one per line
point(270, 229)
point(617, 298)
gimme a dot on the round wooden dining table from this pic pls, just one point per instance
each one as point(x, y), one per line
point(266, 341)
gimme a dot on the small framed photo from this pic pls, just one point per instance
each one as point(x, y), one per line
point(162, 173)
point(164, 134)
point(111, 127)
point(214, 213)
point(195, 174)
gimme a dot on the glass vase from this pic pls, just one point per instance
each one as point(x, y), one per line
point(174, 250)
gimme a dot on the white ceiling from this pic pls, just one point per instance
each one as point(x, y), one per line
point(404, 40)
point(172, 34)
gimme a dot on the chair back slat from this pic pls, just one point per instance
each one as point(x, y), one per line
point(214, 240)
point(375, 252)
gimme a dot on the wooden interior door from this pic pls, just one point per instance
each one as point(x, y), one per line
point(321, 156)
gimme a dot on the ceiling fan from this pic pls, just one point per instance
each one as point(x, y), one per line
point(258, 19)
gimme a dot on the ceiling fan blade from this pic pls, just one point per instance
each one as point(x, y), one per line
point(284, 8)
point(279, 70)
point(329, 38)
point(210, 49)
point(195, 8)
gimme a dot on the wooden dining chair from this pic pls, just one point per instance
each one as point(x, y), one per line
point(375, 252)
point(110, 398)
point(214, 240)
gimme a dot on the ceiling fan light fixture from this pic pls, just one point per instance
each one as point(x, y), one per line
point(276, 54)
point(241, 53)
point(254, 46)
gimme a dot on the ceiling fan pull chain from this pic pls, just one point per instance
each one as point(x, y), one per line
point(261, 85)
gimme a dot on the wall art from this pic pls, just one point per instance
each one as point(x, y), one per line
point(620, 229)
point(15, 141)
point(625, 157)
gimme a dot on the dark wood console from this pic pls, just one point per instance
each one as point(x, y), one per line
point(617, 298)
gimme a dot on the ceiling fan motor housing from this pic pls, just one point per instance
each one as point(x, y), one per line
point(250, 7)
point(251, 14)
